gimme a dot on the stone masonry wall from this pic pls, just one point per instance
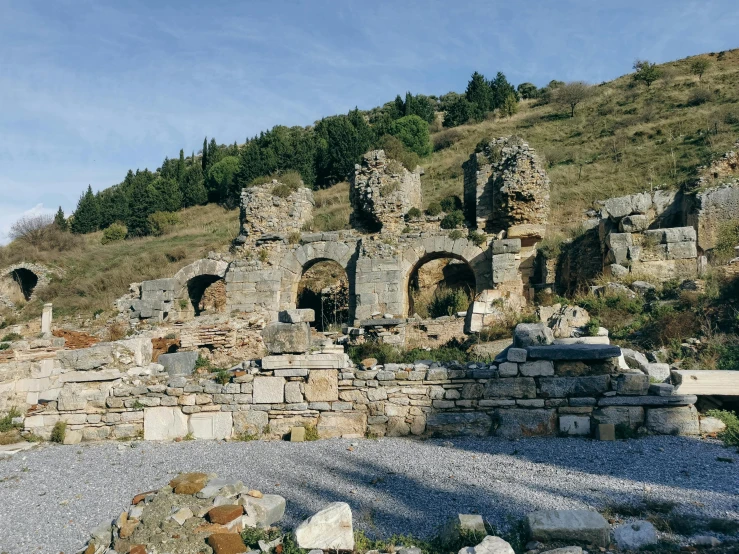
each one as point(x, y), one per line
point(381, 193)
point(529, 391)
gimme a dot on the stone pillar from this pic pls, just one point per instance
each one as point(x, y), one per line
point(46, 319)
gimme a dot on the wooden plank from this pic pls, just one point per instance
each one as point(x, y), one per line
point(706, 382)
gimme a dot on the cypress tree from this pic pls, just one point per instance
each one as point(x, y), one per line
point(87, 215)
point(141, 204)
point(181, 167)
point(205, 155)
point(192, 187)
point(408, 104)
point(60, 221)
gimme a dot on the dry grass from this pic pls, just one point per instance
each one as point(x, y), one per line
point(94, 275)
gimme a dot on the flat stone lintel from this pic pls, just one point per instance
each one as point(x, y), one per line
point(666, 401)
point(559, 352)
point(382, 322)
point(304, 361)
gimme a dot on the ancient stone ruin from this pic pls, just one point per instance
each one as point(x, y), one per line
point(242, 310)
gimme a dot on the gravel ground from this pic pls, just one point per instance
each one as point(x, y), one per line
point(52, 496)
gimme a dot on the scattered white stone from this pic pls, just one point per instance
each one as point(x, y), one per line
point(635, 535)
point(706, 540)
point(329, 529)
point(182, 515)
point(489, 545)
point(584, 526)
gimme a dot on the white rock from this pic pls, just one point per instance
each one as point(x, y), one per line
point(489, 545)
point(264, 511)
point(706, 540)
point(569, 525)
point(711, 425)
point(211, 425)
point(164, 424)
point(182, 515)
point(329, 529)
point(635, 535)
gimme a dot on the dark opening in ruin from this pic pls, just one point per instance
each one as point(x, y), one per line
point(440, 286)
point(324, 288)
point(26, 281)
point(207, 293)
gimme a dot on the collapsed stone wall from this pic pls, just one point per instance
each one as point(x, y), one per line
point(505, 185)
point(382, 192)
point(268, 210)
point(527, 391)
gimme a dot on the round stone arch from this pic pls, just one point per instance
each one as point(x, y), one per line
point(191, 281)
point(298, 260)
point(29, 277)
point(433, 248)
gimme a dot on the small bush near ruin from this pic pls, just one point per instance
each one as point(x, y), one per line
point(433, 209)
point(115, 232)
point(162, 223)
point(311, 433)
point(731, 435)
point(452, 220)
point(448, 302)
point(58, 432)
point(10, 337)
point(477, 238)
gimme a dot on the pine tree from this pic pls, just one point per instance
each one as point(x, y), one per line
point(204, 159)
point(501, 88)
point(398, 107)
point(141, 204)
point(510, 105)
point(192, 187)
point(478, 93)
point(408, 104)
point(169, 195)
point(87, 215)
point(60, 221)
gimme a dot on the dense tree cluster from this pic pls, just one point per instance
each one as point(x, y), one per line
point(322, 155)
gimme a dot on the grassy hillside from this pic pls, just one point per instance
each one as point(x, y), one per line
point(626, 138)
point(94, 275)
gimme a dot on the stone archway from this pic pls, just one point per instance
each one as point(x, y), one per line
point(19, 282)
point(425, 250)
point(296, 262)
point(193, 281)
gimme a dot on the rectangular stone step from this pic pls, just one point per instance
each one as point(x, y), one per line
point(560, 352)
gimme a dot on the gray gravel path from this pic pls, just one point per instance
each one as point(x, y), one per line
point(52, 496)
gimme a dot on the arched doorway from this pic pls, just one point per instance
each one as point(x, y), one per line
point(324, 288)
point(440, 285)
point(18, 285)
point(207, 294)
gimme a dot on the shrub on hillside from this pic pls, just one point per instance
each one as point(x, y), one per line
point(452, 220)
point(699, 96)
point(455, 234)
point(446, 139)
point(413, 132)
point(31, 229)
point(477, 238)
point(396, 150)
point(451, 203)
point(434, 209)
point(413, 213)
point(114, 233)
point(161, 223)
point(731, 435)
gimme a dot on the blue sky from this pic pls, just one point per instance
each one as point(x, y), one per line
point(89, 89)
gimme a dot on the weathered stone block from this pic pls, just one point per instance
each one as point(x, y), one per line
point(559, 387)
point(631, 384)
point(456, 424)
point(631, 416)
point(574, 425)
point(178, 363)
point(506, 246)
point(329, 529)
point(673, 421)
point(516, 423)
point(537, 368)
point(297, 316)
point(581, 526)
point(529, 334)
point(269, 390)
point(286, 338)
point(85, 359)
point(211, 425)
point(322, 386)
point(568, 352)
point(514, 387)
point(347, 425)
point(164, 423)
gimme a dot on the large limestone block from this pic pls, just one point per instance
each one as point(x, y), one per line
point(178, 363)
point(530, 334)
point(305, 361)
point(211, 425)
point(574, 425)
point(322, 386)
point(297, 316)
point(673, 421)
point(560, 387)
point(445, 424)
point(329, 529)
point(162, 423)
point(265, 511)
point(251, 422)
point(575, 351)
point(514, 387)
point(632, 416)
point(515, 423)
point(269, 390)
point(582, 526)
point(85, 359)
point(286, 338)
point(489, 545)
point(347, 425)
